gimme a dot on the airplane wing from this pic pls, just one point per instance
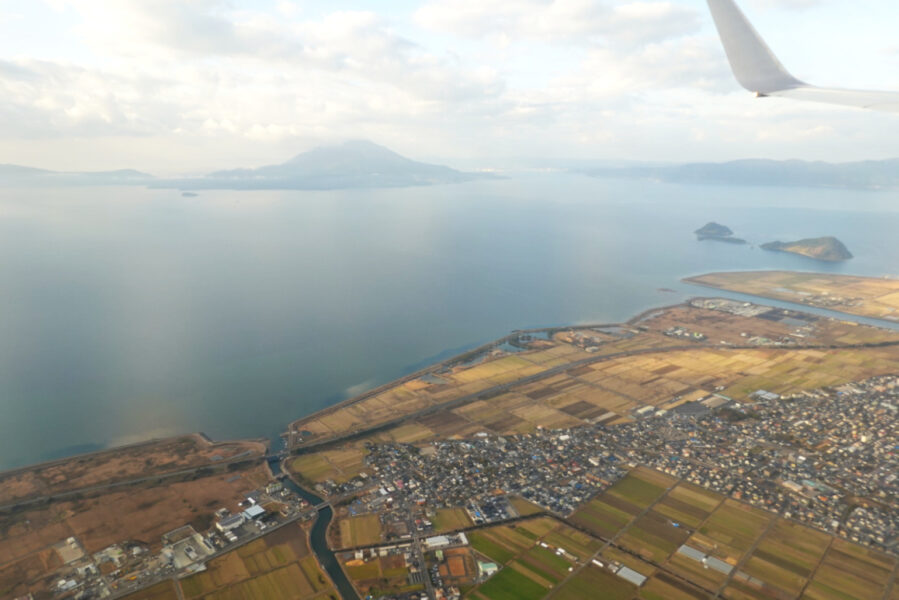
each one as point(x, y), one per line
point(759, 71)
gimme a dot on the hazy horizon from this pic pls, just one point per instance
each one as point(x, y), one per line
point(175, 87)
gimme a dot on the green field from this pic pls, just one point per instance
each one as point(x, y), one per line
point(603, 519)
point(654, 537)
point(530, 569)
point(490, 548)
point(850, 572)
point(571, 540)
point(593, 582)
point(509, 584)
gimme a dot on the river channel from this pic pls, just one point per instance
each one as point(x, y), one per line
point(318, 537)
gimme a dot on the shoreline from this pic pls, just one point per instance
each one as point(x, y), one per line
point(550, 330)
point(693, 280)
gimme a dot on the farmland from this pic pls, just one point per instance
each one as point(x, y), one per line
point(451, 519)
point(362, 530)
point(160, 591)
point(529, 553)
point(338, 465)
point(277, 566)
point(677, 540)
point(602, 385)
point(590, 579)
point(380, 575)
point(756, 553)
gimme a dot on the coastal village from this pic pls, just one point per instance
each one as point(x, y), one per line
point(825, 458)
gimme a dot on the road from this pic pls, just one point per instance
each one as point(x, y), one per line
point(420, 557)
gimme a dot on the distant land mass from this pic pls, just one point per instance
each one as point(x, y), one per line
point(355, 164)
point(17, 175)
point(716, 231)
point(870, 174)
point(827, 248)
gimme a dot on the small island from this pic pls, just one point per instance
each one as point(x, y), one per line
point(716, 231)
point(189, 194)
point(827, 248)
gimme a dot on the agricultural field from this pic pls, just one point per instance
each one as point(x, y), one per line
point(850, 572)
point(604, 387)
point(536, 555)
point(524, 507)
point(379, 575)
point(339, 465)
point(589, 580)
point(608, 391)
point(362, 530)
point(865, 296)
point(451, 519)
point(278, 566)
point(644, 523)
point(448, 384)
point(751, 553)
point(609, 514)
point(160, 591)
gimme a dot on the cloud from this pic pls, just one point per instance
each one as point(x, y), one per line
point(195, 68)
point(211, 83)
point(790, 4)
point(568, 21)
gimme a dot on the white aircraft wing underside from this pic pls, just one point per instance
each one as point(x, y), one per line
point(759, 71)
point(887, 101)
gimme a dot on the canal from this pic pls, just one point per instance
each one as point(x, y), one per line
point(318, 537)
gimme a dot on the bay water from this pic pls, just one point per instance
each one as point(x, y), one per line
point(128, 313)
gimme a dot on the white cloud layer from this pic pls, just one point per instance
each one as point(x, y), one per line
point(566, 21)
point(195, 84)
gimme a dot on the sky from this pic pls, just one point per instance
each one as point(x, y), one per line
point(187, 86)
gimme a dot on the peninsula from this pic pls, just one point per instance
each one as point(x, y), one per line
point(872, 297)
point(828, 248)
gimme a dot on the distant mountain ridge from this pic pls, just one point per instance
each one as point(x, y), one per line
point(869, 174)
point(353, 164)
point(19, 175)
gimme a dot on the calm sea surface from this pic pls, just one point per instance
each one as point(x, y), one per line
point(128, 313)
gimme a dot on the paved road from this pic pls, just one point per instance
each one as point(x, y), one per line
point(420, 555)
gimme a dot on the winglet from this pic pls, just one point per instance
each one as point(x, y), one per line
point(753, 63)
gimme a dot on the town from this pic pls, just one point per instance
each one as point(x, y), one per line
point(826, 458)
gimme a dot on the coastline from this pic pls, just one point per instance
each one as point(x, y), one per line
point(693, 280)
point(302, 449)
